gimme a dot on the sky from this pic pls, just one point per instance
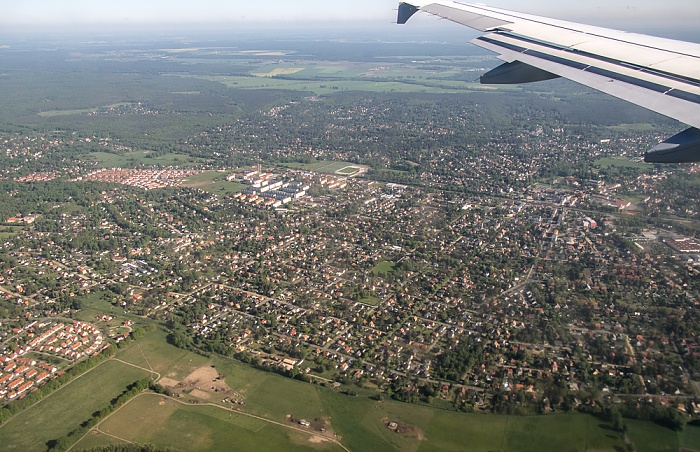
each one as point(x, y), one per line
point(41, 14)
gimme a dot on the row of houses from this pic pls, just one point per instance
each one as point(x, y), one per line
point(20, 374)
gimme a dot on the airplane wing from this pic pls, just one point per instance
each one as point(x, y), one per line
point(660, 74)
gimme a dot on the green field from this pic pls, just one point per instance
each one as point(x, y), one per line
point(384, 267)
point(622, 162)
point(362, 425)
point(649, 437)
point(68, 407)
point(633, 127)
point(348, 170)
point(153, 352)
point(167, 423)
point(271, 396)
point(109, 160)
point(215, 183)
point(95, 304)
point(323, 166)
point(689, 438)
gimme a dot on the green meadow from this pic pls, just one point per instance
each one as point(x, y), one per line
point(215, 183)
point(323, 166)
point(157, 420)
point(129, 159)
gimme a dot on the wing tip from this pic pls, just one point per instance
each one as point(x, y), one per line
point(406, 11)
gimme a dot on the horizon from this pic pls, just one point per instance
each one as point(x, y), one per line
point(43, 15)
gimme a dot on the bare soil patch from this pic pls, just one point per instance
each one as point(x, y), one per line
point(316, 439)
point(200, 394)
point(203, 383)
point(168, 382)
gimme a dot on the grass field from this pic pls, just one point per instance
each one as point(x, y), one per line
point(349, 170)
point(623, 162)
point(109, 160)
point(323, 166)
point(68, 407)
point(384, 267)
point(153, 352)
point(361, 423)
point(150, 419)
point(689, 438)
point(94, 305)
point(649, 437)
point(373, 301)
point(271, 396)
point(635, 127)
point(215, 183)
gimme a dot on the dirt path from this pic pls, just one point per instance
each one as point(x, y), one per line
point(138, 367)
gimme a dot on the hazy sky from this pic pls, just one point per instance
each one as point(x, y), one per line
point(24, 14)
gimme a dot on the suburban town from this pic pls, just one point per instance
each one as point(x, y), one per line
point(525, 300)
point(207, 245)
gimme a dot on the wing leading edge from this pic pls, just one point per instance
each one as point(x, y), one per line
point(660, 74)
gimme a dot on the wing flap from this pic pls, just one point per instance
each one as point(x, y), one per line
point(635, 49)
point(662, 75)
point(666, 95)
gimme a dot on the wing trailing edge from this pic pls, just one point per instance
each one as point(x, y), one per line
point(659, 74)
